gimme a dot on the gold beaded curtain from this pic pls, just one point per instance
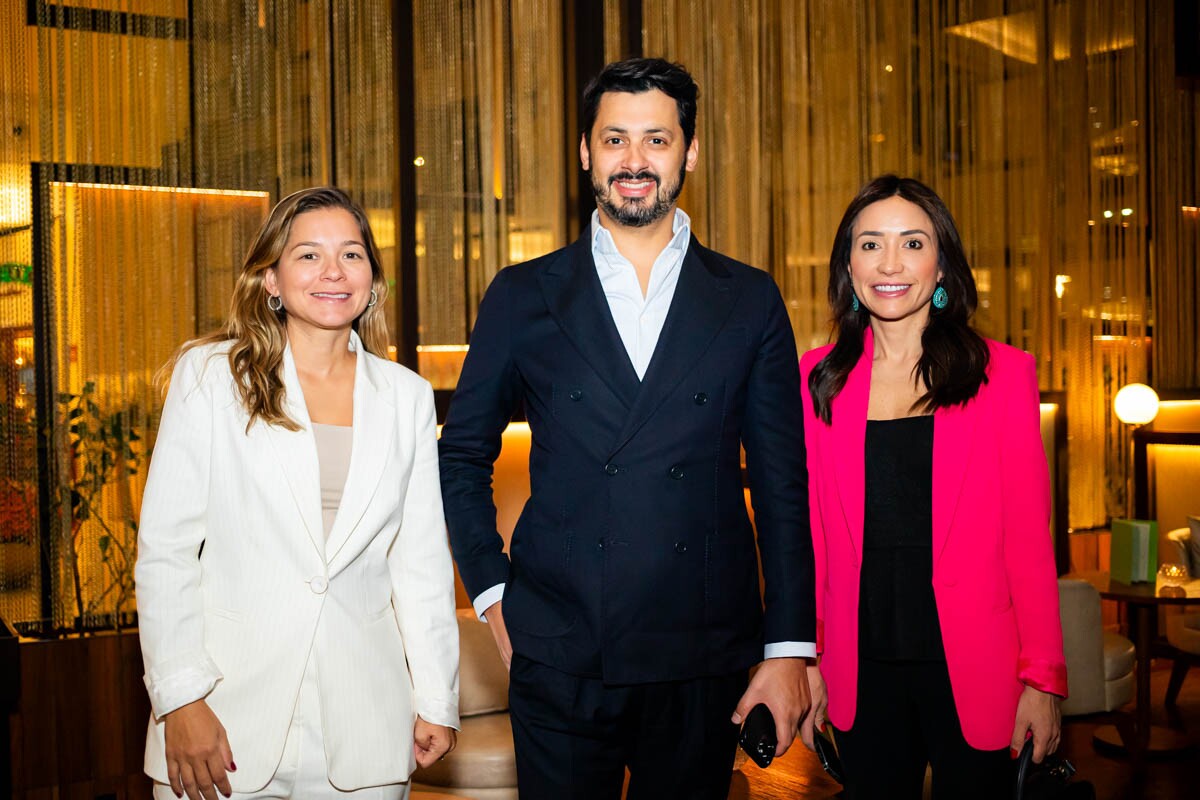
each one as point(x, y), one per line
point(1029, 117)
point(139, 151)
point(488, 78)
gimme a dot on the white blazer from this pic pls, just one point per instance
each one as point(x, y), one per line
point(237, 586)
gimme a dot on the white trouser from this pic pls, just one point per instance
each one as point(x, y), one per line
point(303, 773)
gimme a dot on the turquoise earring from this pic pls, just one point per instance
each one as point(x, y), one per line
point(940, 298)
point(854, 303)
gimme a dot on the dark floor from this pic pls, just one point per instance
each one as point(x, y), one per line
point(798, 776)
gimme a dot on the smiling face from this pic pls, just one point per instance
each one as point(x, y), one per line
point(324, 275)
point(637, 157)
point(894, 260)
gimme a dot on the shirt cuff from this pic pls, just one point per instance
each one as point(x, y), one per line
point(486, 599)
point(790, 650)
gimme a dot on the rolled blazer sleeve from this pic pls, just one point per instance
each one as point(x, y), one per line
point(1028, 554)
point(170, 610)
point(423, 580)
point(773, 435)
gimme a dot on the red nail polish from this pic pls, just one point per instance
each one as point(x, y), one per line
point(232, 767)
point(1012, 753)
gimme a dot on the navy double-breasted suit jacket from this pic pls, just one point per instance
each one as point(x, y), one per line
point(634, 559)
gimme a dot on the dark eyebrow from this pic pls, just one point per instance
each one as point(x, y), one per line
point(902, 233)
point(646, 132)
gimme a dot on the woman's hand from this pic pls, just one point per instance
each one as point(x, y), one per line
point(1038, 714)
point(432, 742)
point(815, 718)
point(198, 753)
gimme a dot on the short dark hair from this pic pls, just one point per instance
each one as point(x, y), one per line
point(954, 359)
point(637, 75)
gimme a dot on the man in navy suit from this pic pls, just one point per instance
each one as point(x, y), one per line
point(630, 601)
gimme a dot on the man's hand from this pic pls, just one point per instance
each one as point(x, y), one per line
point(1040, 714)
point(495, 620)
point(198, 753)
point(782, 684)
point(432, 742)
point(815, 719)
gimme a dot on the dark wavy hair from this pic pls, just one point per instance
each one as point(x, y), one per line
point(637, 75)
point(954, 357)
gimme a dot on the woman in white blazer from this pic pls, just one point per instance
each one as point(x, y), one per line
point(295, 592)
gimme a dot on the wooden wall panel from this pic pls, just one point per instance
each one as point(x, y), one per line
point(80, 726)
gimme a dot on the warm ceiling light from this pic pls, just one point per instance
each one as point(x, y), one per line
point(1125, 212)
point(1108, 214)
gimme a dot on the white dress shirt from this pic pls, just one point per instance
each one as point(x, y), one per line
point(639, 319)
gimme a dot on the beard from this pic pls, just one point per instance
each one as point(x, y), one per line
point(637, 212)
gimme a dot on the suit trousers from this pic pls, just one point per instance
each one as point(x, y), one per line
point(575, 736)
point(906, 720)
point(303, 771)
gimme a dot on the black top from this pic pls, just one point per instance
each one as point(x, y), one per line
point(897, 613)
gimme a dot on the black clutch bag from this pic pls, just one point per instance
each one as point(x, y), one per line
point(827, 752)
point(1049, 780)
point(758, 735)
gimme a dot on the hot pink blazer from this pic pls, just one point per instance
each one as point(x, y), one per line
point(993, 563)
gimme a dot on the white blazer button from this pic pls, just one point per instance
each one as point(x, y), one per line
point(318, 584)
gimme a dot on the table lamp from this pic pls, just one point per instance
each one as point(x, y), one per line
point(1135, 404)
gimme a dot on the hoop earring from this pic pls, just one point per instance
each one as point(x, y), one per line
point(940, 297)
point(374, 299)
point(854, 303)
point(277, 305)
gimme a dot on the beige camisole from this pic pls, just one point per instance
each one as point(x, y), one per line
point(333, 454)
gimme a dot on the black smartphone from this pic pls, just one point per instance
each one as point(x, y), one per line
point(827, 752)
point(758, 735)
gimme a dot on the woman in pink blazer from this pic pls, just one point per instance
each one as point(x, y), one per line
point(937, 605)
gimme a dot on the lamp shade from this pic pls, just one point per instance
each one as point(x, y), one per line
point(1136, 404)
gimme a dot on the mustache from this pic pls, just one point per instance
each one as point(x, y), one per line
point(644, 175)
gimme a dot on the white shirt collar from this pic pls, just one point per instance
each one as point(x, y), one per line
point(681, 229)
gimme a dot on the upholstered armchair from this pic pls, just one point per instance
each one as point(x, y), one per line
point(1183, 629)
point(1099, 662)
point(482, 766)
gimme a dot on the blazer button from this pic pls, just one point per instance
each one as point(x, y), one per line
point(600, 543)
point(318, 584)
point(680, 547)
point(611, 469)
point(700, 398)
point(575, 394)
point(676, 472)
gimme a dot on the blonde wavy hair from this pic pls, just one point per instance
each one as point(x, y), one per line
point(258, 334)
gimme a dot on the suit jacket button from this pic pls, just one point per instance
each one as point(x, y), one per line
point(600, 543)
point(700, 398)
point(318, 585)
point(680, 547)
point(676, 472)
point(611, 469)
point(575, 394)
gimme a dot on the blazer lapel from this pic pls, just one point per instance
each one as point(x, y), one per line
point(703, 299)
point(374, 426)
point(576, 300)
point(296, 452)
point(953, 437)
point(849, 442)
